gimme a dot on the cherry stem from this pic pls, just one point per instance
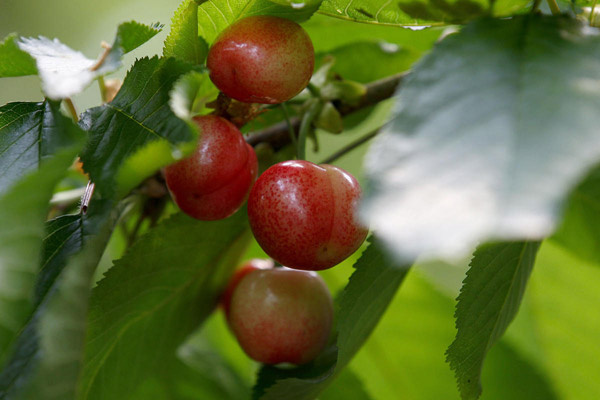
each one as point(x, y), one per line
point(278, 136)
point(286, 115)
point(71, 108)
point(102, 85)
point(351, 146)
point(553, 7)
point(305, 125)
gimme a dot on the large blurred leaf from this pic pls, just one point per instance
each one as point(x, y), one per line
point(580, 230)
point(415, 12)
point(216, 15)
point(22, 213)
point(63, 323)
point(29, 134)
point(14, 61)
point(191, 93)
point(478, 147)
point(153, 297)
point(362, 303)
point(488, 302)
point(183, 42)
point(65, 72)
point(65, 236)
point(137, 124)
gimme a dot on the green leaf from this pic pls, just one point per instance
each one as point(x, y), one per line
point(347, 386)
point(367, 61)
point(565, 301)
point(579, 231)
point(362, 303)
point(65, 72)
point(461, 163)
point(183, 42)
point(137, 133)
point(488, 302)
point(65, 236)
point(22, 212)
point(155, 296)
point(216, 15)
point(132, 34)
point(191, 93)
point(415, 12)
point(63, 323)
point(29, 134)
point(14, 61)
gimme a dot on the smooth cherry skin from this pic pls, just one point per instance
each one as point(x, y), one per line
point(214, 181)
point(281, 315)
point(262, 59)
point(245, 269)
point(303, 215)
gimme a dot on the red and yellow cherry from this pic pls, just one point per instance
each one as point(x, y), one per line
point(245, 269)
point(281, 315)
point(261, 59)
point(303, 215)
point(214, 181)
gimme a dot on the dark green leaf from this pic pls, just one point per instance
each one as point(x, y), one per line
point(65, 236)
point(63, 322)
point(362, 303)
point(155, 296)
point(216, 15)
point(580, 231)
point(29, 134)
point(14, 61)
point(22, 213)
point(415, 12)
point(183, 42)
point(347, 386)
point(137, 133)
point(488, 302)
point(477, 149)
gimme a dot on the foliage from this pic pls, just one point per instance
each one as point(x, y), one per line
point(488, 149)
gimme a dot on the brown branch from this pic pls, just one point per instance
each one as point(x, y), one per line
point(278, 135)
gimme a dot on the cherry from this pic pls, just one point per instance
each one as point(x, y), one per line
point(261, 59)
point(214, 181)
point(244, 270)
point(281, 315)
point(304, 215)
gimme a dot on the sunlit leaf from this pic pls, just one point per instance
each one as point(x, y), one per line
point(216, 15)
point(14, 61)
point(183, 42)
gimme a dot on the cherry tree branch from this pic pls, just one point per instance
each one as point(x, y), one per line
point(278, 135)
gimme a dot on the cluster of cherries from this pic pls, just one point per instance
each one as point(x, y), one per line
point(301, 214)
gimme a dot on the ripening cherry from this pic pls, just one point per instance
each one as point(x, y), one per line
point(303, 215)
point(252, 265)
point(281, 315)
point(261, 59)
point(214, 181)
